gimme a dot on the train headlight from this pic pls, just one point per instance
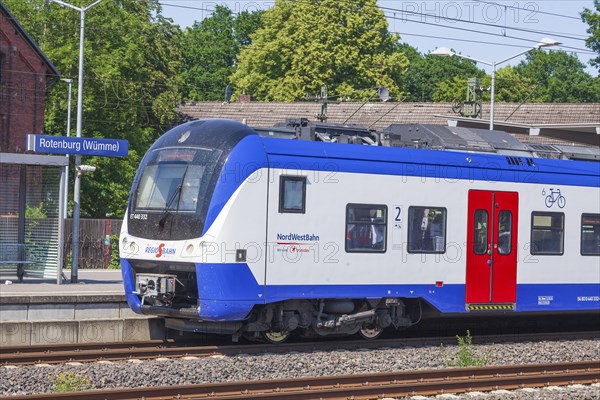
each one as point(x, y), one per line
point(189, 249)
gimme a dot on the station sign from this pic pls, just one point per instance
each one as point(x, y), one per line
point(79, 146)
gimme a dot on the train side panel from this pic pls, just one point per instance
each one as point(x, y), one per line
point(310, 260)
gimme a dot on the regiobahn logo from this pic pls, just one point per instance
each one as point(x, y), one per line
point(160, 250)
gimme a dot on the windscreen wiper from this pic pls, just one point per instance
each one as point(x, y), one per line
point(176, 195)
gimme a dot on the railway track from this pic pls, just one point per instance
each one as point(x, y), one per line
point(153, 349)
point(365, 386)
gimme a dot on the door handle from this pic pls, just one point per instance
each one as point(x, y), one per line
point(489, 262)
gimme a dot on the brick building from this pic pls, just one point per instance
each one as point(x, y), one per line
point(25, 73)
point(31, 194)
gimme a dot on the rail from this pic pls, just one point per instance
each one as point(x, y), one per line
point(91, 352)
point(365, 386)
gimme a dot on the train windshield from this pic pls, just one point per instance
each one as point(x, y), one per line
point(173, 180)
point(170, 187)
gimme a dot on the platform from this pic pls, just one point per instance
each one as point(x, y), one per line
point(39, 311)
point(91, 282)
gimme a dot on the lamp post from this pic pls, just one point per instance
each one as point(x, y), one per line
point(446, 52)
point(77, 187)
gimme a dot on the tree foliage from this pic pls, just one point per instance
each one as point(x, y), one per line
point(433, 78)
point(593, 20)
point(510, 86)
point(139, 65)
point(131, 84)
point(209, 51)
point(561, 77)
point(302, 46)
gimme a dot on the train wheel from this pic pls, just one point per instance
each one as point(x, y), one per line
point(275, 337)
point(370, 332)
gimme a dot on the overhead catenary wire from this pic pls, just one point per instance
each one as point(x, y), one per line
point(394, 17)
point(514, 7)
point(426, 15)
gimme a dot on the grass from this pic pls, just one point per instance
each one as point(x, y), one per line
point(466, 355)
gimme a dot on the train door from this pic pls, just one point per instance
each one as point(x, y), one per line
point(491, 281)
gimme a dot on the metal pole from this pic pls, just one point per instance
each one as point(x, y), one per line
point(66, 201)
point(492, 99)
point(61, 223)
point(77, 187)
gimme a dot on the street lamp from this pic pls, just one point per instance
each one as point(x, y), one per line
point(77, 187)
point(446, 52)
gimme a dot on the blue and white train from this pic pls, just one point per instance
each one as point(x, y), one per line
point(315, 231)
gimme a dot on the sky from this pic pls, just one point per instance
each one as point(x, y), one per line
point(488, 30)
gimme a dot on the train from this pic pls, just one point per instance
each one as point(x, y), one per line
point(317, 229)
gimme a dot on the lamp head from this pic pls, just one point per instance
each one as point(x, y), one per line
point(443, 52)
point(547, 42)
point(84, 169)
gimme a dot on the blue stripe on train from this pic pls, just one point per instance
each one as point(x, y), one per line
point(229, 291)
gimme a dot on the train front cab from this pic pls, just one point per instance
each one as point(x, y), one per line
point(174, 242)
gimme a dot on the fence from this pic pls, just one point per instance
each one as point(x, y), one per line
point(94, 245)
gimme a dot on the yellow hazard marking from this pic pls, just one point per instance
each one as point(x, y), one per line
point(490, 307)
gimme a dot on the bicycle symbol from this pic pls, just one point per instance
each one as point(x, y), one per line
point(554, 197)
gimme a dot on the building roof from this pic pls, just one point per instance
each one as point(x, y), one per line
point(28, 38)
point(384, 114)
point(569, 117)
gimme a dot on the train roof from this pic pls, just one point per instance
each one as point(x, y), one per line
point(427, 136)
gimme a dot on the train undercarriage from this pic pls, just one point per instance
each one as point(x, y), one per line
point(166, 295)
point(275, 323)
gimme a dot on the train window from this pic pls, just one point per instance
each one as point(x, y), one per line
point(173, 180)
point(426, 230)
point(547, 233)
point(170, 186)
point(292, 194)
point(504, 232)
point(590, 234)
point(366, 228)
point(480, 236)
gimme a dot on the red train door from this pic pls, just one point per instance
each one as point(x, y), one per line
point(491, 281)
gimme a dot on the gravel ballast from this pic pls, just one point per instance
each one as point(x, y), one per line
point(159, 372)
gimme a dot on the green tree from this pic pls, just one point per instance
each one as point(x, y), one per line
point(210, 48)
point(244, 25)
point(510, 87)
point(561, 77)
point(302, 46)
point(433, 78)
point(593, 20)
point(131, 83)
point(513, 87)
